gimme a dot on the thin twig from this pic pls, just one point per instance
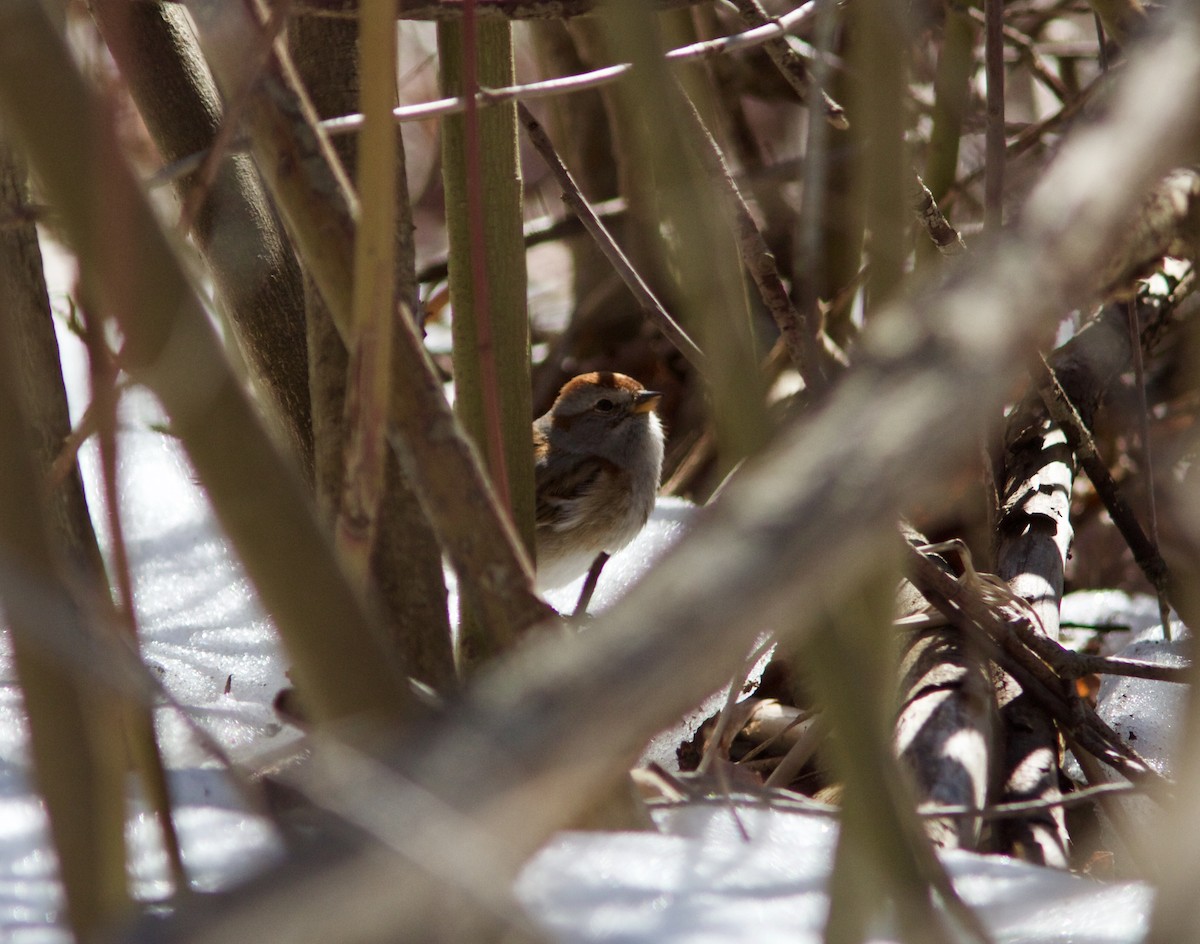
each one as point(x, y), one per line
point(1083, 663)
point(595, 78)
point(736, 683)
point(1030, 136)
point(138, 719)
point(543, 229)
point(761, 746)
point(1139, 373)
point(67, 456)
point(574, 198)
point(816, 168)
point(1031, 57)
point(799, 754)
point(801, 335)
point(1101, 43)
point(589, 585)
point(22, 214)
point(492, 10)
point(1145, 549)
point(789, 62)
point(778, 798)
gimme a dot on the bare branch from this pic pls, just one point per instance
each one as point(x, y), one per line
point(642, 292)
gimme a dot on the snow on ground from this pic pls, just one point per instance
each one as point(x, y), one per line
point(697, 879)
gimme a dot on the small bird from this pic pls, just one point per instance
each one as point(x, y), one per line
point(598, 456)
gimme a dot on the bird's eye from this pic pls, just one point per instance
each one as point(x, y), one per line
point(604, 406)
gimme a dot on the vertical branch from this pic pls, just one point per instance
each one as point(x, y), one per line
point(487, 272)
point(1122, 19)
point(881, 49)
point(849, 662)
point(493, 396)
point(993, 187)
point(952, 86)
point(303, 175)
point(485, 348)
point(78, 763)
point(816, 167)
point(1139, 372)
point(138, 718)
point(374, 303)
point(1033, 535)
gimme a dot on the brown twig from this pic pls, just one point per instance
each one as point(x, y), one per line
point(801, 335)
point(543, 229)
point(1031, 135)
point(1145, 549)
point(1031, 57)
point(789, 63)
point(589, 585)
point(574, 199)
point(103, 368)
point(775, 797)
point(1139, 373)
point(64, 462)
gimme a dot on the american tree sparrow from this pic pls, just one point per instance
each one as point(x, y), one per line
point(598, 456)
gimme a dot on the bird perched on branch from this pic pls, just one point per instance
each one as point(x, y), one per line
point(598, 456)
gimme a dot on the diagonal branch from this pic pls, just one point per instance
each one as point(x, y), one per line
point(802, 336)
point(574, 198)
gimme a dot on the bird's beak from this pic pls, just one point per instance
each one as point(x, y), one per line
point(645, 400)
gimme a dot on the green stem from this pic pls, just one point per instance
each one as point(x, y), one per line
point(487, 269)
